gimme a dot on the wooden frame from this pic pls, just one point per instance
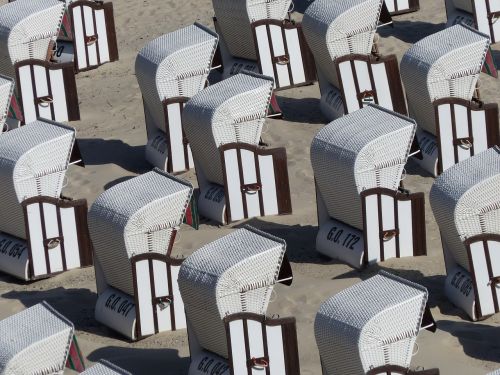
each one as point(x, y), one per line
point(283, 53)
point(397, 7)
point(383, 86)
point(263, 191)
point(393, 236)
point(467, 127)
point(60, 245)
point(59, 102)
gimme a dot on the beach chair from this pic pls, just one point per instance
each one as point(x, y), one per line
point(479, 14)
point(170, 70)
point(351, 72)
point(238, 179)
point(226, 287)
point(104, 367)
point(465, 200)
point(87, 37)
point(44, 89)
point(38, 340)
point(372, 327)
point(6, 94)
point(440, 73)
point(42, 233)
point(257, 34)
point(364, 213)
point(133, 226)
point(396, 7)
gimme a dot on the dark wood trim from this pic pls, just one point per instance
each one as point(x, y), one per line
point(70, 88)
point(305, 52)
point(181, 101)
point(483, 238)
point(395, 369)
point(491, 123)
point(414, 6)
point(110, 31)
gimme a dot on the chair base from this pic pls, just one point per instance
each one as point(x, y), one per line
point(477, 292)
point(57, 240)
point(156, 305)
point(394, 227)
point(393, 370)
point(270, 347)
point(88, 49)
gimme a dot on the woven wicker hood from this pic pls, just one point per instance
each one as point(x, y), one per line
point(26, 29)
point(443, 65)
point(134, 217)
point(33, 162)
point(233, 110)
point(371, 324)
point(363, 150)
point(465, 200)
point(335, 28)
point(233, 274)
point(35, 341)
point(175, 65)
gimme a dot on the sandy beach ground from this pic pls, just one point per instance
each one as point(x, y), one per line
point(112, 137)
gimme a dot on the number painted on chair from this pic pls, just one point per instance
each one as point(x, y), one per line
point(210, 366)
point(463, 283)
point(124, 308)
point(349, 241)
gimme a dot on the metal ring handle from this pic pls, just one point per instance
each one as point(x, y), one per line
point(259, 362)
point(389, 235)
point(45, 101)
point(466, 144)
point(90, 40)
point(52, 244)
point(282, 60)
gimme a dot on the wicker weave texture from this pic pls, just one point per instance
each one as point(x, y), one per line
point(26, 29)
point(33, 162)
point(135, 217)
point(363, 150)
point(35, 341)
point(335, 28)
point(6, 90)
point(445, 64)
point(234, 19)
point(105, 368)
point(465, 200)
point(233, 274)
point(233, 110)
point(371, 324)
point(174, 65)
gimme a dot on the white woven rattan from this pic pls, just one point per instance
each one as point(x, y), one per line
point(6, 90)
point(233, 274)
point(363, 150)
point(35, 341)
point(465, 200)
point(371, 324)
point(335, 28)
point(443, 65)
point(174, 65)
point(105, 368)
point(233, 110)
point(234, 19)
point(26, 29)
point(135, 217)
point(496, 372)
point(33, 162)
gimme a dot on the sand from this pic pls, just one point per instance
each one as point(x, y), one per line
point(112, 137)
